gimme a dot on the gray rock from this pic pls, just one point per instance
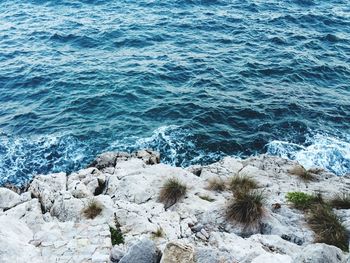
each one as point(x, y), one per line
point(116, 254)
point(320, 253)
point(144, 251)
point(108, 159)
point(208, 255)
point(148, 156)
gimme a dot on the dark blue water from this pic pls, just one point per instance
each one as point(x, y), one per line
point(196, 80)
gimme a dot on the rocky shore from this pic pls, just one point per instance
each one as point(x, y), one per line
point(112, 212)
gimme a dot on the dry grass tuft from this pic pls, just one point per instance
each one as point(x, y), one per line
point(246, 208)
point(328, 227)
point(92, 210)
point(159, 233)
point(216, 184)
point(340, 201)
point(241, 184)
point(172, 191)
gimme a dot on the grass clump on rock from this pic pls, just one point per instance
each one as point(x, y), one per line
point(158, 233)
point(340, 201)
point(92, 209)
point(302, 200)
point(242, 184)
point(246, 208)
point(172, 191)
point(216, 184)
point(302, 173)
point(327, 227)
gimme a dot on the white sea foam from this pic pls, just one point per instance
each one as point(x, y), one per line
point(321, 150)
point(177, 146)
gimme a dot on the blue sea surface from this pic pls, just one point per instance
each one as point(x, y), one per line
point(194, 79)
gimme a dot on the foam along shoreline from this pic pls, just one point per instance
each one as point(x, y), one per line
point(112, 212)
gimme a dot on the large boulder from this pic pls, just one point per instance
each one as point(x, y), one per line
point(14, 242)
point(176, 252)
point(320, 253)
point(47, 188)
point(109, 159)
point(143, 251)
point(8, 198)
point(67, 208)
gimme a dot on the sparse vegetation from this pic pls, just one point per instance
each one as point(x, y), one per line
point(159, 233)
point(246, 208)
point(116, 234)
point(92, 209)
point(340, 201)
point(307, 176)
point(242, 184)
point(327, 227)
point(216, 184)
point(302, 200)
point(206, 198)
point(172, 191)
point(302, 173)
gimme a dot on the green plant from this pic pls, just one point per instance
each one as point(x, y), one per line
point(246, 208)
point(302, 200)
point(158, 233)
point(92, 209)
point(240, 184)
point(172, 191)
point(206, 198)
point(327, 227)
point(216, 184)
point(116, 236)
point(340, 201)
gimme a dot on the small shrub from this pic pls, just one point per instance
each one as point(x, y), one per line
point(92, 210)
point(302, 173)
point(159, 233)
point(206, 198)
point(302, 200)
point(172, 191)
point(307, 176)
point(341, 201)
point(216, 184)
point(327, 227)
point(116, 236)
point(241, 184)
point(247, 208)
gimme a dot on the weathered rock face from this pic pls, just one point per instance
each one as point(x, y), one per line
point(8, 198)
point(178, 253)
point(320, 253)
point(47, 224)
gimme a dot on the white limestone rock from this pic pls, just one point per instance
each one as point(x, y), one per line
point(47, 188)
point(67, 208)
point(8, 198)
point(15, 244)
point(320, 253)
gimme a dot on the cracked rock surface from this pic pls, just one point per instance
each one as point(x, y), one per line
point(46, 223)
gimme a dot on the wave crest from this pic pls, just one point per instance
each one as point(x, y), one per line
point(321, 150)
